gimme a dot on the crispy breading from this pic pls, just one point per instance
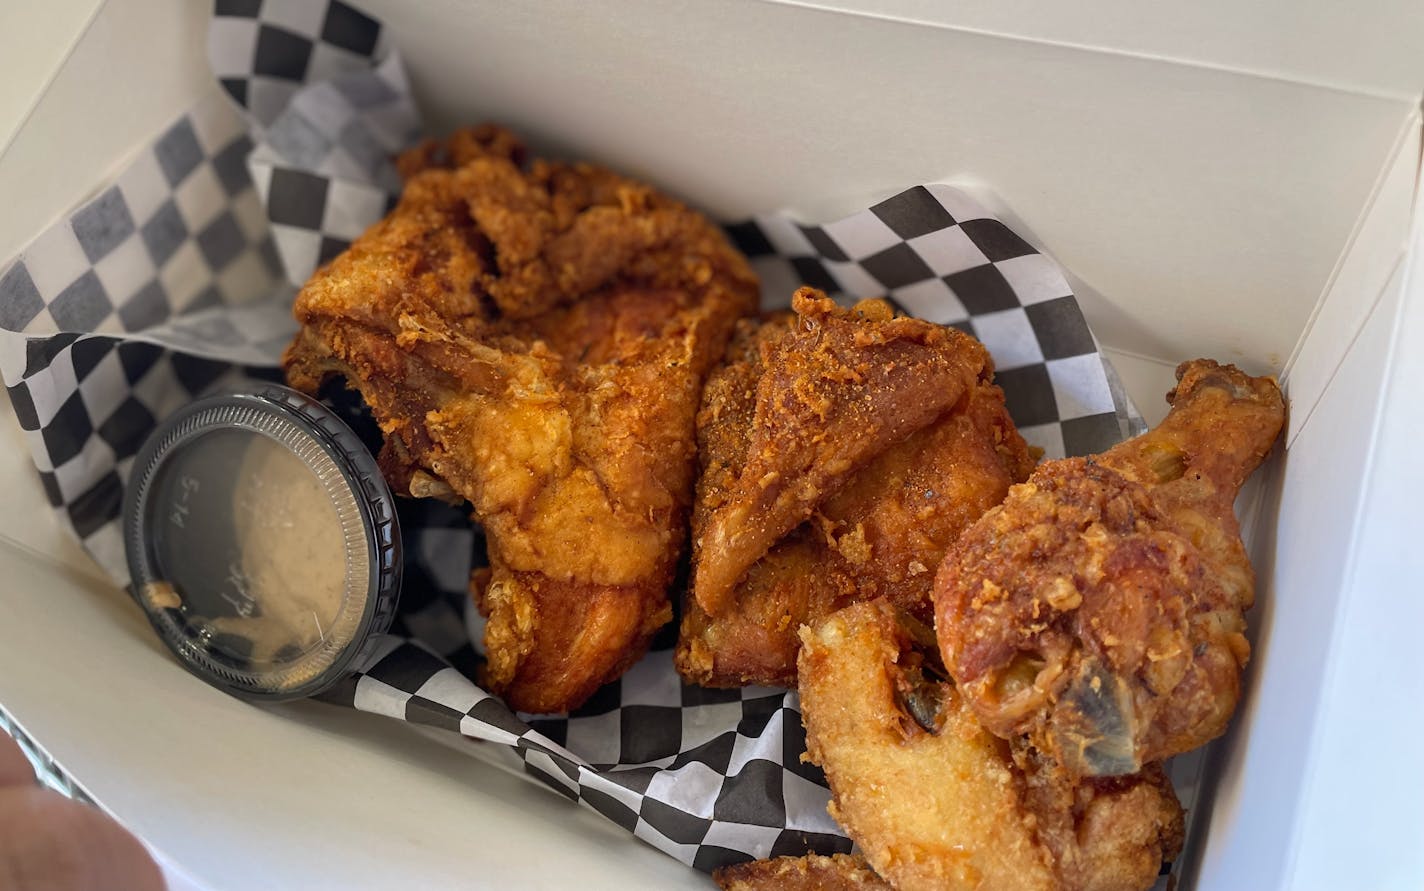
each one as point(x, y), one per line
point(935, 801)
point(827, 403)
point(813, 872)
point(534, 339)
point(877, 527)
point(1100, 609)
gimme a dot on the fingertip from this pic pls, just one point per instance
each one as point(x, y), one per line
point(50, 842)
point(113, 851)
point(15, 769)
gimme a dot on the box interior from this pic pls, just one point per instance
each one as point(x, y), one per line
point(1241, 192)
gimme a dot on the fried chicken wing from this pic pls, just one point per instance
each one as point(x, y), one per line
point(827, 402)
point(1100, 609)
point(842, 451)
point(813, 872)
point(935, 801)
point(533, 338)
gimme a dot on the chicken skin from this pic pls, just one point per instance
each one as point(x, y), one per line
point(1099, 610)
point(842, 451)
point(532, 337)
point(813, 872)
point(934, 801)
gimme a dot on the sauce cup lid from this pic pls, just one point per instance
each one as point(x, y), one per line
point(262, 542)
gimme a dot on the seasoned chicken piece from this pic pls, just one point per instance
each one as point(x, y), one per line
point(813, 872)
point(883, 439)
point(830, 398)
point(936, 802)
point(534, 339)
point(1100, 609)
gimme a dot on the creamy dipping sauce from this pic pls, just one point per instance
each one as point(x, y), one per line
point(264, 579)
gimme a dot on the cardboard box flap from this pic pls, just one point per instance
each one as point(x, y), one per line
point(1179, 195)
point(1183, 196)
point(1365, 49)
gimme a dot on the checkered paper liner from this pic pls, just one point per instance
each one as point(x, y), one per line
point(178, 279)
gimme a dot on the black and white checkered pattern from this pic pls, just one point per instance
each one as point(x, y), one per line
point(936, 253)
point(346, 128)
point(181, 230)
point(86, 403)
point(162, 286)
point(323, 168)
point(708, 776)
point(441, 547)
point(97, 357)
point(331, 105)
point(263, 52)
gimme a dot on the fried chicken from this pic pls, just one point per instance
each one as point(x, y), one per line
point(936, 802)
point(813, 872)
point(533, 338)
point(842, 451)
point(1100, 609)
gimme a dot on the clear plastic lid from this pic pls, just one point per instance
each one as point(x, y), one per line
point(262, 542)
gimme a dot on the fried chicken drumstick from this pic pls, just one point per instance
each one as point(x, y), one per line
point(1100, 609)
point(842, 451)
point(533, 338)
point(936, 802)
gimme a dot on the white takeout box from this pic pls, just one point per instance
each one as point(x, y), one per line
point(1224, 181)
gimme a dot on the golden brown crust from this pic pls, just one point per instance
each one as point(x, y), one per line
point(1102, 833)
point(936, 802)
point(1100, 608)
point(880, 527)
point(460, 148)
point(535, 341)
point(838, 391)
point(813, 872)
